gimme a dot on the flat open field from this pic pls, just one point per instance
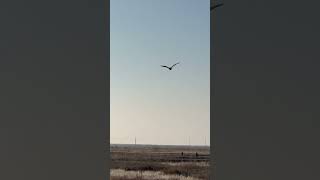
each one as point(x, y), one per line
point(153, 162)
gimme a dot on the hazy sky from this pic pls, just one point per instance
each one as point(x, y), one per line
point(149, 102)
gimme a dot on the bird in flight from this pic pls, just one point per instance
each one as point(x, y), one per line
point(170, 68)
point(215, 6)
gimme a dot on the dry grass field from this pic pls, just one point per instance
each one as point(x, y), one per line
point(151, 162)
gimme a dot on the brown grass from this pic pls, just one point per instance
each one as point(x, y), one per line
point(119, 174)
point(166, 160)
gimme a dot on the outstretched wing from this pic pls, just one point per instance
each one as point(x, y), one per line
point(165, 66)
point(215, 6)
point(175, 64)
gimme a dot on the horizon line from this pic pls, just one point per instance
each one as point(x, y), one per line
point(157, 144)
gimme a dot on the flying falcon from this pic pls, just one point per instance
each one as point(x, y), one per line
point(170, 68)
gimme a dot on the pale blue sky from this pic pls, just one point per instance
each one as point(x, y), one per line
point(147, 101)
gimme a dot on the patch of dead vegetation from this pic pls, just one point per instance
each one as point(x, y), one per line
point(120, 174)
